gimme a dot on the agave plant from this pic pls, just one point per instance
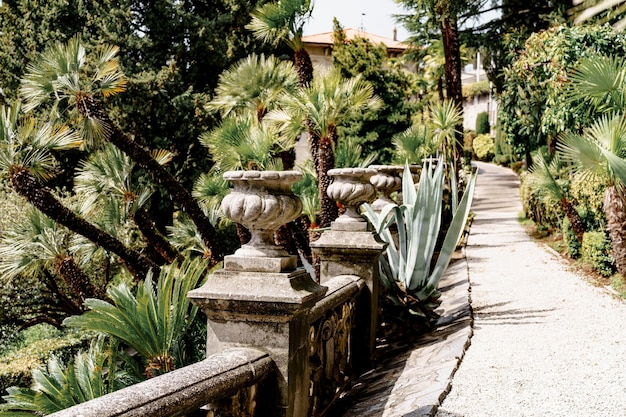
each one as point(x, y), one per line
point(406, 270)
point(151, 322)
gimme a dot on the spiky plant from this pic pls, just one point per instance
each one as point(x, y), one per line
point(414, 144)
point(154, 321)
point(542, 179)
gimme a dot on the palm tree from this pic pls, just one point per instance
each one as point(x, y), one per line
point(36, 243)
point(542, 178)
point(253, 85)
point(600, 82)
point(106, 176)
point(600, 152)
point(320, 108)
point(153, 321)
point(26, 157)
point(63, 75)
point(283, 22)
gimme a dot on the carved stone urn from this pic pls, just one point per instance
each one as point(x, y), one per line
point(262, 201)
point(388, 179)
point(351, 187)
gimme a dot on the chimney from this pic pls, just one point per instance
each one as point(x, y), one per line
point(395, 34)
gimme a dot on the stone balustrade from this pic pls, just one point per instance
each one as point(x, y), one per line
point(279, 344)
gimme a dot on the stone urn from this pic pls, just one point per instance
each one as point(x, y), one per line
point(262, 201)
point(351, 187)
point(388, 179)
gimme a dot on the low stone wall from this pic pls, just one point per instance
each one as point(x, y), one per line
point(184, 390)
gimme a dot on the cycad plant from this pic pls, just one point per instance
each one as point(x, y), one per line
point(66, 77)
point(409, 271)
point(600, 151)
point(59, 386)
point(154, 321)
point(542, 178)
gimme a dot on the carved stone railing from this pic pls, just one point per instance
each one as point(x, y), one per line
point(221, 380)
point(331, 338)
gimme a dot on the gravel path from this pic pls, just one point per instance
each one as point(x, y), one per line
point(546, 342)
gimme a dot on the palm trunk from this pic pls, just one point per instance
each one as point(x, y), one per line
point(614, 205)
point(574, 219)
point(89, 107)
point(452, 71)
point(27, 186)
point(75, 278)
point(155, 238)
point(328, 206)
point(304, 67)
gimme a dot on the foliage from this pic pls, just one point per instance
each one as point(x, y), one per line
point(407, 271)
point(540, 207)
point(588, 194)
point(153, 322)
point(599, 12)
point(476, 89)
point(373, 128)
point(16, 366)
point(571, 243)
point(534, 108)
point(596, 252)
point(484, 147)
point(482, 123)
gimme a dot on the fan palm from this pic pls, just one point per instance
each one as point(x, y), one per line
point(26, 157)
point(320, 108)
point(106, 176)
point(599, 152)
point(153, 321)
point(283, 22)
point(35, 243)
point(414, 144)
point(253, 85)
point(63, 75)
point(542, 178)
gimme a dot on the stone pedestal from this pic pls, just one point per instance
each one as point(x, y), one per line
point(267, 311)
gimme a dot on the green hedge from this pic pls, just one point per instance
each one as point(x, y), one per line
point(482, 123)
point(16, 367)
point(596, 252)
point(484, 147)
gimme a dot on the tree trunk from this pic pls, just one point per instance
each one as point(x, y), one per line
point(154, 237)
point(27, 186)
point(304, 67)
point(91, 108)
point(328, 206)
point(614, 205)
point(75, 278)
point(452, 71)
point(574, 219)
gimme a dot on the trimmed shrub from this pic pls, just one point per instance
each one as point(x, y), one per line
point(482, 123)
point(484, 147)
point(572, 246)
point(596, 252)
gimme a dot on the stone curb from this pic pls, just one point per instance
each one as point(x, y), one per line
point(414, 380)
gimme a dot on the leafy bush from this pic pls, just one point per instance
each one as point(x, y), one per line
point(482, 123)
point(572, 246)
point(484, 147)
point(540, 207)
point(596, 252)
point(16, 367)
point(588, 192)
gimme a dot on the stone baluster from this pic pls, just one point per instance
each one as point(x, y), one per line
point(350, 247)
point(259, 299)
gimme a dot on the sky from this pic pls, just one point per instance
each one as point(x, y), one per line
point(374, 15)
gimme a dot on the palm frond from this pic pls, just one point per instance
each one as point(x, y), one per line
point(599, 81)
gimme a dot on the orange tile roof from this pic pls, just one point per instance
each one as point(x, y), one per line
point(326, 38)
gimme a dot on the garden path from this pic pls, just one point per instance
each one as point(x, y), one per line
point(544, 341)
